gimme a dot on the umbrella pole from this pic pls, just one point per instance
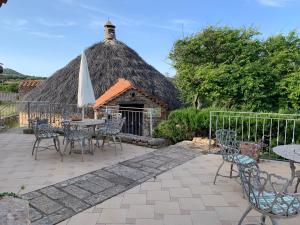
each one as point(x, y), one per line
point(82, 112)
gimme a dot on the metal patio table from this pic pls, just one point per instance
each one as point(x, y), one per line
point(88, 123)
point(292, 153)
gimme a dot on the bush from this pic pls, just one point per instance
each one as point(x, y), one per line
point(184, 124)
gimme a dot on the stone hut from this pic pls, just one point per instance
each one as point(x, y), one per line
point(112, 64)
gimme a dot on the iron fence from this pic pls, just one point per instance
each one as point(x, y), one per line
point(139, 121)
point(271, 129)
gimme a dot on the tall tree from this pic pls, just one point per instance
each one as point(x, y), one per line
point(233, 68)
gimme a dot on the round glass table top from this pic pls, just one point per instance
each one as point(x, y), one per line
point(291, 152)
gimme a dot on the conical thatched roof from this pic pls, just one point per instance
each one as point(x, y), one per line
point(108, 61)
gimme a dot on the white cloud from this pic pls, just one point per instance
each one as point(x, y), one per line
point(48, 23)
point(185, 22)
point(274, 3)
point(15, 24)
point(46, 35)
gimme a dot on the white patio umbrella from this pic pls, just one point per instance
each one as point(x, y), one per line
point(86, 96)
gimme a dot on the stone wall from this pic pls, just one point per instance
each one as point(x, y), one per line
point(133, 96)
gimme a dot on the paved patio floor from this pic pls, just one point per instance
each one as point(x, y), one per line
point(184, 195)
point(18, 167)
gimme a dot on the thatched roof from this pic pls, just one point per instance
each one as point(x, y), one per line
point(108, 61)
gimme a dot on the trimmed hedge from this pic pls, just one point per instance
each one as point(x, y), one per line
point(184, 124)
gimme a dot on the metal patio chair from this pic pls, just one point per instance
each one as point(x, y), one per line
point(295, 175)
point(111, 129)
point(226, 139)
point(74, 135)
point(267, 194)
point(43, 131)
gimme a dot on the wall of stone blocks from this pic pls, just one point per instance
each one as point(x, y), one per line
point(138, 98)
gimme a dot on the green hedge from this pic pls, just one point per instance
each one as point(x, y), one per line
point(184, 124)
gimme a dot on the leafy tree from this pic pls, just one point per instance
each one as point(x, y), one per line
point(233, 68)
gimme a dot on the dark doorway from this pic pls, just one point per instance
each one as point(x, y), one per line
point(134, 118)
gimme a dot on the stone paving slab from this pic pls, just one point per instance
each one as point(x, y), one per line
point(55, 203)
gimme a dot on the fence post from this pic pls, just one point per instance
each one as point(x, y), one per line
point(28, 113)
point(210, 124)
point(151, 121)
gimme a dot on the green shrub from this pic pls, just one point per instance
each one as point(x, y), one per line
point(184, 124)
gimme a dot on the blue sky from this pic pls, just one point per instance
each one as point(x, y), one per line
point(39, 37)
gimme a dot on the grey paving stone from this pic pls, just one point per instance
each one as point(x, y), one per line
point(74, 180)
point(31, 195)
point(101, 182)
point(113, 178)
point(74, 203)
point(114, 190)
point(89, 186)
point(96, 199)
point(128, 172)
point(151, 170)
point(34, 214)
point(150, 164)
point(53, 192)
point(76, 191)
point(121, 181)
point(45, 204)
point(55, 217)
point(104, 174)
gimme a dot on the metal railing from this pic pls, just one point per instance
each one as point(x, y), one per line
point(7, 109)
point(8, 96)
point(272, 129)
point(139, 121)
point(54, 112)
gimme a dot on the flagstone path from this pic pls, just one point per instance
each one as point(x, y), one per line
point(55, 203)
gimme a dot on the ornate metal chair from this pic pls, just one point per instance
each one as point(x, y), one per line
point(229, 151)
point(42, 131)
point(295, 175)
point(267, 194)
point(73, 135)
point(111, 129)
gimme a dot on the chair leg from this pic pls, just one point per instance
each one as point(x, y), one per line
point(59, 150)
point(244, 215)
point(217, 174)
point(91, 146)
point(231, 169)
point(37, 149)
point(263, 220)
point(298, 182)
point(67, 143)
point(114, 139)
point(81, 146)
point(274, 221)
point(120, 141)
point(55, 144)
point(34, 146)
point(104, 137)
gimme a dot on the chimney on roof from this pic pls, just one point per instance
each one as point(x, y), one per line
point(109, 31)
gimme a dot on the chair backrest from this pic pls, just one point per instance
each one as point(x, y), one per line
point(268, 192)
point(66, 125)
point(40, 126)
point(116, 124)
point(225, 137)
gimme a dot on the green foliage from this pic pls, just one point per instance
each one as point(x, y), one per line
point(8, 194)
point(10, 87)
point(234, 69)
point(12, 194)
point(184, 124)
